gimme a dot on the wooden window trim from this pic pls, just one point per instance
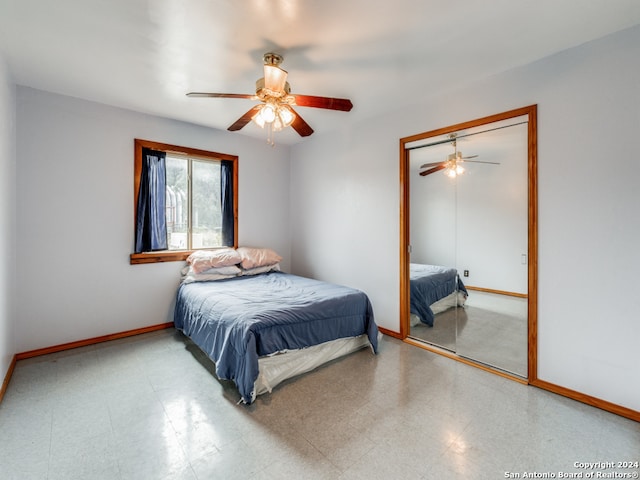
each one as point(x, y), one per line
point(176, 255)
point(160, 256)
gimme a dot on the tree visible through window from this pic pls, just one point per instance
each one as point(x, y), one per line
point(200, 205)
point(199, 190)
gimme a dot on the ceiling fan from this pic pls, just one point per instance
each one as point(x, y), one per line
point(276, 110)
point(453, 164)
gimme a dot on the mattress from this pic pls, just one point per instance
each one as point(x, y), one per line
point(429, 284)
point(236, 321)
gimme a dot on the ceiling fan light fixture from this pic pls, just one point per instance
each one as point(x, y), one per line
point(257, 118)
point(284, 118)
point(453, 167)
point(277, 125)
point(276, 111)
point(275, 79)
point(281, 116)
point(267, 113)
point(286, 115)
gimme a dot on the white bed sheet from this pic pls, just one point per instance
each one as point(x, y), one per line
point(455, 299)
point(276, 368)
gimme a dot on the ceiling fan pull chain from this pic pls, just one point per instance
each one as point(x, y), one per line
point(270, 134)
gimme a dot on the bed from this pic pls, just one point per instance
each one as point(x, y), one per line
point(433, 289)
point(262, 329)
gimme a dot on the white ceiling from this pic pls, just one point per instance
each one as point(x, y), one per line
point(145, 55)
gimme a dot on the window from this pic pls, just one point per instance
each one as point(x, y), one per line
point(185, 199)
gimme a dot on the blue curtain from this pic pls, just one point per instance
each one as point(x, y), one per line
point(151, 222)
point(226, 202)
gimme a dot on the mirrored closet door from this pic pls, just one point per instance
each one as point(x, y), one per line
point(470, 240)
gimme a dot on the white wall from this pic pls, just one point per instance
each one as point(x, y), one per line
point(345, 204)
point(75, 216)
point(344, 212)
point(433, 219)
point(7, 216)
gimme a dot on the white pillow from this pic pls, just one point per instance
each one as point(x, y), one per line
point(230, 270)
point(257, 257)
point(201, 277)
point(263, 269)
point(189, 275)
point(202, 260)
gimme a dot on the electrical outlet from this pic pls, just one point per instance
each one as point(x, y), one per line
point(466, 273)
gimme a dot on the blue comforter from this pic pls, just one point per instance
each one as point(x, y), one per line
point(428, 284)
point(237, 320)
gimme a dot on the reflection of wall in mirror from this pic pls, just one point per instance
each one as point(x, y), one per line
point(477, 222)
point(433, 220)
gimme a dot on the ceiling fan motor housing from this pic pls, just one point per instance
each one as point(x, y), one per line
point(272, 59)
point(263, 92)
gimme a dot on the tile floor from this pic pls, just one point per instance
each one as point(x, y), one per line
point(490, 328)
point(148, 407)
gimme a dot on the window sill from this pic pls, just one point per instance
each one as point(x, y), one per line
point(156, 257)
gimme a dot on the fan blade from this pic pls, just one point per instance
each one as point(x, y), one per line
point(433, 164)
point(470, 156)
point(432, 170)
point(480, 161)
point(342, 104)
point(221, 95)
point(300, 126)
point(244, 119)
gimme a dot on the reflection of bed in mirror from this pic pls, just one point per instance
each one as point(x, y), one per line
point(433, 289)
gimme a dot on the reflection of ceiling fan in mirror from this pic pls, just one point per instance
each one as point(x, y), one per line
point(453, 164)
point(276, 110)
